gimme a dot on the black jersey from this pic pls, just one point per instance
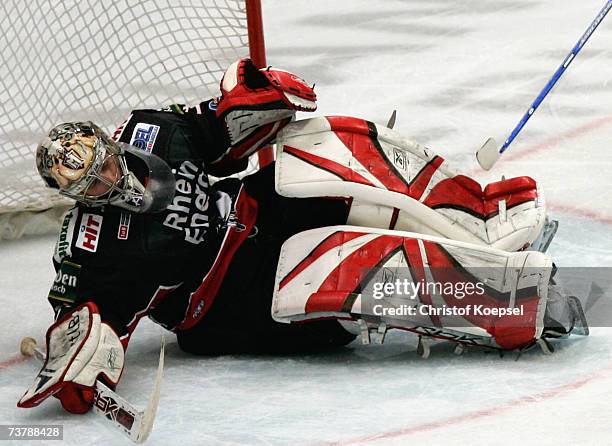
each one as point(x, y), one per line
point(129, 263)
point(214, 243)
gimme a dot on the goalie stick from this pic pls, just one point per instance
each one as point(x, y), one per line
point(488, 154)
point(135, 424)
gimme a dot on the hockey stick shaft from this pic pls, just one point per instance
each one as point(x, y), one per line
point(488, 153)
point(555, 77)
point(133, 423)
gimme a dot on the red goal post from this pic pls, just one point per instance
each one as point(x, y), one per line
point(96, 60)
point(257, 51)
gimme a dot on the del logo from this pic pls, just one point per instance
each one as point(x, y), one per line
point(144, 136)
point(89, 232)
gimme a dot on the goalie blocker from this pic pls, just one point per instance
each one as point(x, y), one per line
point(382, 279)
point(81, 349)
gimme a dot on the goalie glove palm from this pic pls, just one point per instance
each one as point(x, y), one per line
point(256, 104)
point(80, 350)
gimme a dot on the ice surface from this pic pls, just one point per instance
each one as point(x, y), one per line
point(457, 72)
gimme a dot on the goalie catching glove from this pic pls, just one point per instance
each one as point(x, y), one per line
point(80, 350)
point(256, 104)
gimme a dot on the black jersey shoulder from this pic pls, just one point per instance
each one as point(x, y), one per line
point(167, 135)
point(177, 133)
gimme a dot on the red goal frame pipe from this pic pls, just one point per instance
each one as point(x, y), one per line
point(257, 51)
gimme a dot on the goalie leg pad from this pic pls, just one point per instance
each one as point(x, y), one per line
point(396, 183)
point(333, 272)
point(80, 349)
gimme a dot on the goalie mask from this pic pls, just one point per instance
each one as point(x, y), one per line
point(256, 104)
point(80, 160)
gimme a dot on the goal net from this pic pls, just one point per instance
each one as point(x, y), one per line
point(63, 60)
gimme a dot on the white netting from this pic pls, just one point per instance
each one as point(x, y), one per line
point(96, 60)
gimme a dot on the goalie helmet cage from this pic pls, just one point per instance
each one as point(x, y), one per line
point(63, 60)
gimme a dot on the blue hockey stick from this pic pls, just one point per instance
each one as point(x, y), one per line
point(488, 154)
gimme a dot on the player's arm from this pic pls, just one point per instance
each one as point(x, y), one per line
point(98, 297)
point(91, 331)
point(178, 132)
point(223, 132)
point(82, 344)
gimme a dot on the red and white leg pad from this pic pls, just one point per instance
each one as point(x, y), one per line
point(80, 349)
point(333, 272)
point(396, 183)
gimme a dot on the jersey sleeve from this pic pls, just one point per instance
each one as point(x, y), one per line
point(180, 132)
point(207, 125)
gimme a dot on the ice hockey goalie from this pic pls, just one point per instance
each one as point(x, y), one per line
point(354, 230)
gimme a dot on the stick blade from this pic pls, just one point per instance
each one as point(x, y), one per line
point(488, 154)
point(134, 424)
point(148, 416)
